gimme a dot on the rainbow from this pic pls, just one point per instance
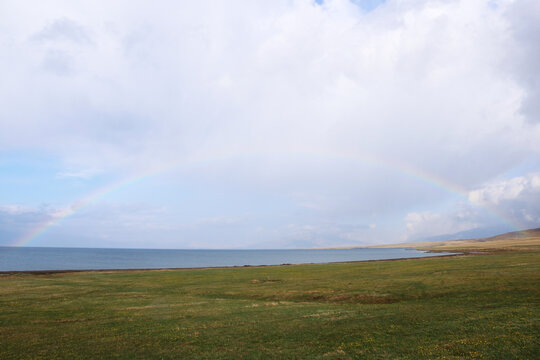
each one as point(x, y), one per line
point(394, 166)
point(431, 180)
point(78, 205)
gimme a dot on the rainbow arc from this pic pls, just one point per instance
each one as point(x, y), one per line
point(398, 167)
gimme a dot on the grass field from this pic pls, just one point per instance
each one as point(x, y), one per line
point(470, 306)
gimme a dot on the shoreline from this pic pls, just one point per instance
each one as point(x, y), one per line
point(52, 272)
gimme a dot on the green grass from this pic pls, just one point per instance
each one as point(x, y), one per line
point(449, 308)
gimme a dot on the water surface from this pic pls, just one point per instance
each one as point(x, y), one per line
point(40, 258)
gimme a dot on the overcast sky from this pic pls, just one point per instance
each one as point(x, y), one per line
point(267, 124)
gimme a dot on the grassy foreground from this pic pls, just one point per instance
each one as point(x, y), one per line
point(483, 306)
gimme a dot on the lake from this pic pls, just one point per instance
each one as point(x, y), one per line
point(42, 258)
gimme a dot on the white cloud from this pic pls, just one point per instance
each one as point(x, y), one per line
point(426, 224)
point(216, 221)
point(80, 174)
point(516, 199)
point(525, 54)
point(518, 188)
point(515, 202)
point(13, 209)
point(194, 80)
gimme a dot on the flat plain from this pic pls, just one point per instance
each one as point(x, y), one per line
point(484, 305)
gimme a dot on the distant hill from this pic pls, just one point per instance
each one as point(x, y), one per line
point(482, 232)
point(517, 234)
point(516, 240)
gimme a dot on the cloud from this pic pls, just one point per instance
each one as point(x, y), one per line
point(192, 85)
point(514, 201)
point(525, 27)
point(520, 187)
point(80, 174)
point(105, 225)
point(517, 198)
point(218, 220)
point(16, 220)
point(59, 42)
point(330, 106)
point(63, 30)
point(427, 224)
point(13, 209)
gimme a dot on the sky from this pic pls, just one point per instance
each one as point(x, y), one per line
point(267, 124)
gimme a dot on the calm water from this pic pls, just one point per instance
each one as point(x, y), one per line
point(34, 258)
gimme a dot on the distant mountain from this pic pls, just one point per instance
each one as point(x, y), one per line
point(477, 233)
point(515, 240)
